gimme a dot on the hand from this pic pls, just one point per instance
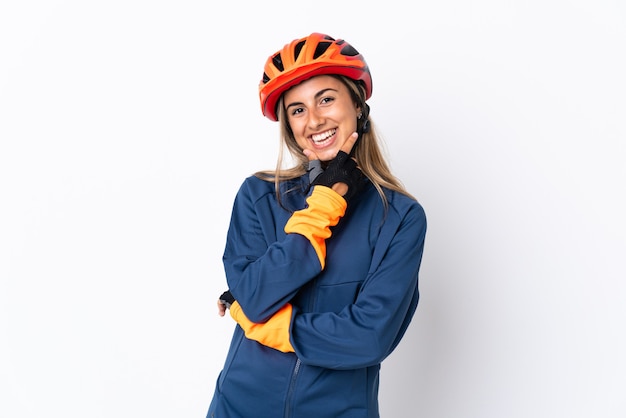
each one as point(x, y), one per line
point(225, 300)
point(342, 173)
point(315, 164)
point(221, 308)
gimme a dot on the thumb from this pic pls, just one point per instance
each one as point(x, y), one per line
point(350, 141)
point(311, 155)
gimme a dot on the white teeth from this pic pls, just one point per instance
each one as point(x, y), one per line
point(321, 137)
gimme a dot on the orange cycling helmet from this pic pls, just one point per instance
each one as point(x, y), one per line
point(307, 57)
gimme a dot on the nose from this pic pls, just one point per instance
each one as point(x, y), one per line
point(316, 119)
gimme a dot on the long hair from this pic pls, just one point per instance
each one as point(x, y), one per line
point(367, 151)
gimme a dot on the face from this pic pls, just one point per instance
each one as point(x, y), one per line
point(321, 114)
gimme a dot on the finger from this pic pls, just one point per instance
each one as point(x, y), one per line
point(340, 188)
point(311, 155)
point(221, 308)
point(349, 144)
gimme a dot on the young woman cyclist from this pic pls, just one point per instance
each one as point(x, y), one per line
point(321, 259)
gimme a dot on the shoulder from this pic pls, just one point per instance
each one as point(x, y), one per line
point(402, 203)
point(406, 209)
point(255, 189)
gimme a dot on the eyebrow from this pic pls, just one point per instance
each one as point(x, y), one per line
point(317, 96)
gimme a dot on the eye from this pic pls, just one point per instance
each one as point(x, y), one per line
point(326, 100)
point(297, 110)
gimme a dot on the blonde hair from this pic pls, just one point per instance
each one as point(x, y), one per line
point(367, 152)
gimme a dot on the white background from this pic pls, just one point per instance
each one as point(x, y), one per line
point(127, 126)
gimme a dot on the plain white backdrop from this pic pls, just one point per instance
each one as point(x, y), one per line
point(126, 128)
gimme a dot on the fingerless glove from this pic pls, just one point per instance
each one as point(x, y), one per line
point(342, 169)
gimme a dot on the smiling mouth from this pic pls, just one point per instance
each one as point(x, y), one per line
point(319, 139)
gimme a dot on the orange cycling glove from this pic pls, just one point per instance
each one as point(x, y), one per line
point(325, 208)
point(274, 333)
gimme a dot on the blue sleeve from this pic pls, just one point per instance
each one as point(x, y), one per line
point(365, 332)
point(264, 266)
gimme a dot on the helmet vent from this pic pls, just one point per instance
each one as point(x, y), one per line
point(297, 50)
point(278, 62)
point(349, 51)
point(321, 48)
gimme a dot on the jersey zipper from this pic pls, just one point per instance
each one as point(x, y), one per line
point(292, 386)
point(296, 368)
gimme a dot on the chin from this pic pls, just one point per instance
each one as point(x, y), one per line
point(327, 155)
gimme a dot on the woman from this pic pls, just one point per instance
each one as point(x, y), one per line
point(323, 257)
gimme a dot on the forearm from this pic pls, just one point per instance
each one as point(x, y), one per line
point(263, 285)
point(325, 209)
point(360, 335)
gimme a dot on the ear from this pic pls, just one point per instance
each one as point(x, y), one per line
point(363, 119)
